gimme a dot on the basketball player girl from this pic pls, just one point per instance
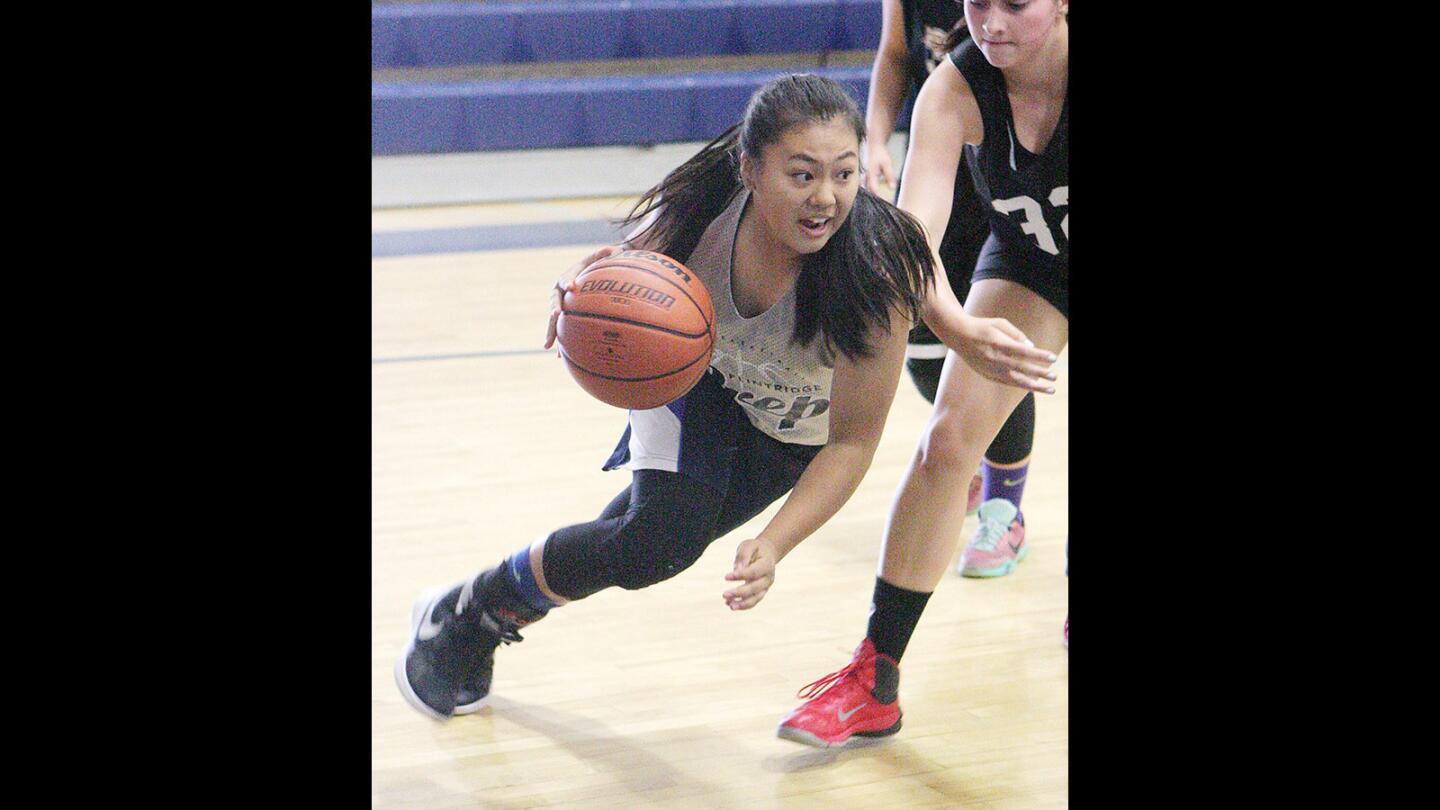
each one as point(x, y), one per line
point(999, 101)
point(915, 36)
point(815, 283)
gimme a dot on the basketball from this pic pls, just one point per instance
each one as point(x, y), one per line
point(637, 329)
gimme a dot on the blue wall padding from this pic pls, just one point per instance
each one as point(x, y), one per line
point(680, 28)
point(573, 31)
point(451, 34)
point(427, 118)
point(802, 26)
point(862, 25)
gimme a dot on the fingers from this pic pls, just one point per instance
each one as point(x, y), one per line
point(566, 283)
point(879, 172)
point(1010, 330)
point(873, 178)
point(550, 330)
point(1020, 347)
point(744, 555)
point(556, 307)
point(600, 253)
point(1020, 380)
point(748, 595)
point(757, 573)
point(1030, 376)
point(746, 603)
point(1019, 352)
point(749, 589)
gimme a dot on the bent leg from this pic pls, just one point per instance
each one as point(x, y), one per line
point(668, 521)
point(924, 525)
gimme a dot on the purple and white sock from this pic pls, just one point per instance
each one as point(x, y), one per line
point(1005, 482)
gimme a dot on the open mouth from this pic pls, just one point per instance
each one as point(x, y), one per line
point(815, 226)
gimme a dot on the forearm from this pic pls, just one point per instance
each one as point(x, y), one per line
point(887, 92)
point(942, 310)
point(827, 483)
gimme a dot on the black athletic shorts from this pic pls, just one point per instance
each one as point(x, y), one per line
point(1049, 281)
point(706, 436)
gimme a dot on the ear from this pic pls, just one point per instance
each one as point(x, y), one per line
point(747, 171)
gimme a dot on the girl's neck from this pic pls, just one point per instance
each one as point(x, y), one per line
point(761, 270)
point(754, 248)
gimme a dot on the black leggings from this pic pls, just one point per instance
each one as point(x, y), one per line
point(662, 523)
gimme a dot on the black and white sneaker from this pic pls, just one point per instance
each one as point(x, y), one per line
point(447, 664)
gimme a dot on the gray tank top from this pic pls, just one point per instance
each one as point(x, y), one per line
point(784, 388)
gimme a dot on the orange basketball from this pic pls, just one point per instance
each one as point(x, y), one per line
point(637, 330)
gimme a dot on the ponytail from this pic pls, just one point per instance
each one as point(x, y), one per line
point(689, 198)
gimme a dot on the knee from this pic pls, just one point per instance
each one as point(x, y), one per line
point(649, 551)
point(945, 443)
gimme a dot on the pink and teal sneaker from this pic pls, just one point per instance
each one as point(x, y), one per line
point(998, 545)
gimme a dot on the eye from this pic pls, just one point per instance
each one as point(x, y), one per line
point(803, 177)
point(846, 174)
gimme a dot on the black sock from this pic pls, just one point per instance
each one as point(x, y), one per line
point(894, 612)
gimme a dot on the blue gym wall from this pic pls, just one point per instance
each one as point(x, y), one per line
point(423, 103)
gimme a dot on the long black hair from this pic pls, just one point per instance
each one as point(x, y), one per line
point(876, 262)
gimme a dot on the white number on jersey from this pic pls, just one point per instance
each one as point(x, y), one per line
point(1033, 221)
point(1060, 198)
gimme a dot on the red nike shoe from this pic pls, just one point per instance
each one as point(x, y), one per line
point(861, 700)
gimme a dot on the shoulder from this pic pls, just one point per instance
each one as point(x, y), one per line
point(968, 58)
point(948, 97)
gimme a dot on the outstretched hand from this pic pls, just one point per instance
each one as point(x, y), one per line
point(567, 282)
point(755, 564)
point(1000, 352)
point(879, 169)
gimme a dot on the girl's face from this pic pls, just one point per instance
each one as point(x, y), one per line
point(804, 184)
point(1011, 31)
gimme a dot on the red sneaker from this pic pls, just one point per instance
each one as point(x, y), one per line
point(972, 500)
point(861, 700)
point(1067, 631)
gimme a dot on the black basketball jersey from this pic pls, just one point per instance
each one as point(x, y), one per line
point(1028, 196)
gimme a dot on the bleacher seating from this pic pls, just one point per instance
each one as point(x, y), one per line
point(416, 108)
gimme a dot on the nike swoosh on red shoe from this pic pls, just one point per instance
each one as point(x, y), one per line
point(846, 715)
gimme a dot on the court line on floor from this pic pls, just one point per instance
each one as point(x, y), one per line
point(494, 237)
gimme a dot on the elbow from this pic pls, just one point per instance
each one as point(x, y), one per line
point(858, 450)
